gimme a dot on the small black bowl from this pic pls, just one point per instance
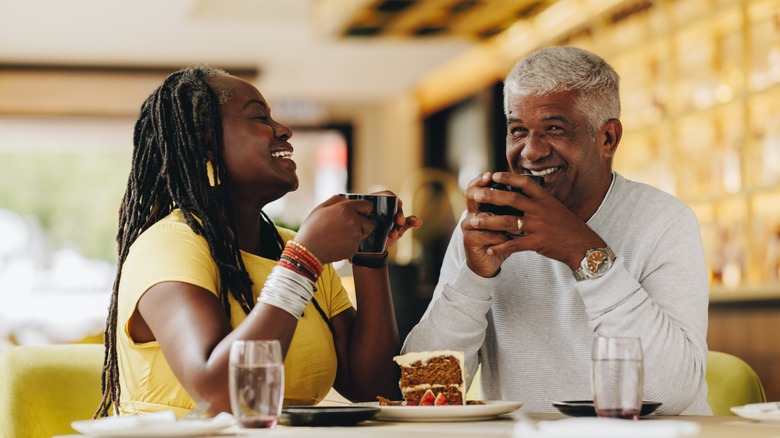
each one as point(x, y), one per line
point(585, 408)
point(326, 415)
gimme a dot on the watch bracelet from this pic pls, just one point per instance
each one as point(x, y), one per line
point(580, 274)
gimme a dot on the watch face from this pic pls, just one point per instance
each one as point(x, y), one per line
point(596, 260)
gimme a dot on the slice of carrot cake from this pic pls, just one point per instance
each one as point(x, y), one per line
point(432, 378)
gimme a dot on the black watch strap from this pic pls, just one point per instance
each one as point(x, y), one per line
point(369, 262)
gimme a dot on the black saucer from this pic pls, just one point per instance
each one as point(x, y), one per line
point(326, 415)
point(585, 408)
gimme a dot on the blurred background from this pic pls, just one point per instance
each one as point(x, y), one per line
point(402, 95)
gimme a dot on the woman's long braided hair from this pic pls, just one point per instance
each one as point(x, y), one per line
point(178, 131)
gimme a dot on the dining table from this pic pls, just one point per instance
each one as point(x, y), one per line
point(520, 425)
point(506, 426)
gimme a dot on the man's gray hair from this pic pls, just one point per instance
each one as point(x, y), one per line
point(561, 68)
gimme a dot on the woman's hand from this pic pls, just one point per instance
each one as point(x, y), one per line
point(334, 229)
point(401, 223)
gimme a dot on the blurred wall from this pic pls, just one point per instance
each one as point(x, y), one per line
point(387, 142)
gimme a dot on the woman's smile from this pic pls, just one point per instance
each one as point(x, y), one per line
point(284, 157)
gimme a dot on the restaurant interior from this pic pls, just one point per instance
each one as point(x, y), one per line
point(389, 94)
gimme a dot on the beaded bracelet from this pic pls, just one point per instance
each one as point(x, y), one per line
point(300, 260)
point(369, 262)
point(298, 268)
point(298, 248)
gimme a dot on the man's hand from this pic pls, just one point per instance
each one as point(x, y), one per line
point(547, 226)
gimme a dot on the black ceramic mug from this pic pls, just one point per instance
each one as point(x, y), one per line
point(382, 213)
point(505, 210)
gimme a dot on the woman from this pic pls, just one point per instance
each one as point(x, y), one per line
point(196, 249)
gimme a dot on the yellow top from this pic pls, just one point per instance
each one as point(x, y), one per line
point(170, 251)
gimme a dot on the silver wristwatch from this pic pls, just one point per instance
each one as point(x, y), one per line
point(596, 263)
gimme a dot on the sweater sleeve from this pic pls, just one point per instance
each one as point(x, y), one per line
point(666, 307)
point(456, 317)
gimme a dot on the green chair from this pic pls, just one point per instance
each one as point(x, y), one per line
point(731, 382)
point(44, 388)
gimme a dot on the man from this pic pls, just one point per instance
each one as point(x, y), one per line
point(593, 254)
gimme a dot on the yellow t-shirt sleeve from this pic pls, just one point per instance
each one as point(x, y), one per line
point(168, 251)
point(336, 295)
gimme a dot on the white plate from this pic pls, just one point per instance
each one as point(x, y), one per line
point(488, 411)
point(769, 412)
point(151, 425)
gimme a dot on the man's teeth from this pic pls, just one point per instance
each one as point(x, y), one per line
point(543, 172)
point(282, 154)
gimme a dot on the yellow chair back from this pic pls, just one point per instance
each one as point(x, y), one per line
point(731, 382)
point(44, 388)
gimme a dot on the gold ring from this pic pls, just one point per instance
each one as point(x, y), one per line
point(519, 225)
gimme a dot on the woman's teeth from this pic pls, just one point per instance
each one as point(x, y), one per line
point(544, 172)
point(282, 154)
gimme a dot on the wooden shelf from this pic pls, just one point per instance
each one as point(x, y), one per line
point(700, 84)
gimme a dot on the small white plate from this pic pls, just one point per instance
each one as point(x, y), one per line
point(151, 425)
point(488, 411)
point(768, 412)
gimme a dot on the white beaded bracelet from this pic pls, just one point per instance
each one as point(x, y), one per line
point(287, 290)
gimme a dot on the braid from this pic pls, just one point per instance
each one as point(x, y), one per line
point(178, 125)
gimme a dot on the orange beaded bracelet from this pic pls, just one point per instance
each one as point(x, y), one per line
point(299, 259)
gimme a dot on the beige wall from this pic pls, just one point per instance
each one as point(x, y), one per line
point(387, 142)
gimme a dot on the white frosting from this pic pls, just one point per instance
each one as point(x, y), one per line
point(407, 359)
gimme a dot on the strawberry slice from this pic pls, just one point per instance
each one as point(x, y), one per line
point(427, 399)
point(441, 400)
